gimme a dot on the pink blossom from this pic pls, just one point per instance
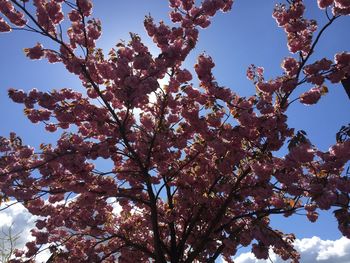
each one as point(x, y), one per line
point(260, 251)
point(192, 93)
point(32, 248)
point(93, 30)
point(17, 95)
point(17, 253)
point(277, 201)
point(342, 58)
point(41, 237)
point(336, 76)
point(316, 67)
point(14, 16)
point(4, 27)
point(183, 76)
point(311, 97)
point(289, 85)
point(263, 171)
point(203, 68)
point(310, 207)
point(302, 153)
point(316, 79)
point(203, 21)
point(37, 52)
point(40, 224)
point(175, 16)
point(85, 6)
point(142, 62)
point(175, 3)
point(324, 3)
point(268, 87)
point(74, 16)
point(51, 127)
point(343, 4)
point(26, 152)
point(312, 216)
point(54, 11)
point(187, 4)
point(341, 150)
point(290, 65)
point(52, 57)
point(326, 199)
point(210, 7)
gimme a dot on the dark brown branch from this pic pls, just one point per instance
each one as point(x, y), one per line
point(304, 60)
point(346, 84)
point(213, 224)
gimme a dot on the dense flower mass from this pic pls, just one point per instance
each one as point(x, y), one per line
point(194, 167)
point(311, 97)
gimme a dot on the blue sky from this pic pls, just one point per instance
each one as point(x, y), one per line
point(246, 35)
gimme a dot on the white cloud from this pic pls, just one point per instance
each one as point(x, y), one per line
point(43, 256)
point(116, 206)
point(21, 222)
point(19, 219)
point(311, 250)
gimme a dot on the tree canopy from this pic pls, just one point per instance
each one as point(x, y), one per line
point(195, 166)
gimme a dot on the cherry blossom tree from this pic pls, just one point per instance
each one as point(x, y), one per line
point(195, 171)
